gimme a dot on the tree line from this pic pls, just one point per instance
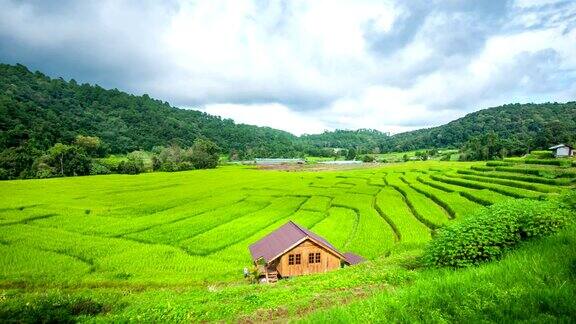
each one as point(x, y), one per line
point(86, 156)
point(37, 113)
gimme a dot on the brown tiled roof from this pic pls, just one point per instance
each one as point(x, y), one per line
point(282, 239)
point(353, 259)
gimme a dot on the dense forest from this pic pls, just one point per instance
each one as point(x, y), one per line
point(37, 112)
point(43, 111)
point(522, 127)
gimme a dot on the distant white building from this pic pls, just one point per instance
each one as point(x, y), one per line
point(341, 162)
point(279, 161)
point(562, 150)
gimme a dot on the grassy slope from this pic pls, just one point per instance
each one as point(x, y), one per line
point(138, 281)
point(535, 283)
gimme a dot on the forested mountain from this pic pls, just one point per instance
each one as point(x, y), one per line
point(364, 140)
point(524, 127)
point(40, 111)
point(43, 111)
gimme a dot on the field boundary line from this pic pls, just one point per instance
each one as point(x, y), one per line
point(431, 226)
point(29, 219)
point(388, 220)
point(266, 205)
point(247, 236)
point(443, 205)
point(352, 234)
point(177, 219)
point(461, 192)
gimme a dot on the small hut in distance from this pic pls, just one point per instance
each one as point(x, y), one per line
point(292, 250)
point(562, 150)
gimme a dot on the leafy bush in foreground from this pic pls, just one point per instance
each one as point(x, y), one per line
point(489, 233)
point(50, 308)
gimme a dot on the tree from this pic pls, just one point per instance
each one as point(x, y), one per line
point(368, 158)
point(91, 144)
point(68, 160)
point(204, 154)
point(137, 158)
point(17, 162)
point(57, 153)
point(484, 147)
point(351, 154)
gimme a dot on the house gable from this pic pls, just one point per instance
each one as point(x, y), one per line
point(308, 257)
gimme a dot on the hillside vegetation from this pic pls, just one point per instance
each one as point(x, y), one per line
point(39, 111)
point(172, 246)
point(43, 111)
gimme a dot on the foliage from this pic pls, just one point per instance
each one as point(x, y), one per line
point(97, 167)
point(17, 161)
point(484, 147)
point(92, 145)
point(351, 154)
point(127, 236)
point(491, 232)
point(204, 154)
point(521, 128)
point(368, 158)
point(41, 111)
point(541, 154)
point(49, 308)
point(68, 160)
point(534, 283)
point(38, 112)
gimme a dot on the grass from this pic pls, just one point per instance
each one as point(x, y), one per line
point(534, 284)
point(172, 246)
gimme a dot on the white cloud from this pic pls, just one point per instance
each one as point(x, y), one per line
point(306, 66)
point(272, 115)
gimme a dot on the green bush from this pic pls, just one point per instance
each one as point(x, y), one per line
point(541, 154)
point(489, 233)
point(557, 162)
point(98, 168)
point(52, 308)
point(130, 167)
point(368, 158)
point(569, 199)
point(496, 163)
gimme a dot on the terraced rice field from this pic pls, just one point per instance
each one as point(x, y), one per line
point(194, 227)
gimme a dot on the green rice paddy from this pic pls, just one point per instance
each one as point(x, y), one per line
point(191, 230)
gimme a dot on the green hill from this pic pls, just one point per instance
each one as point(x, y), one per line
point(36, 108)
point(525, 127)
point(43, 111)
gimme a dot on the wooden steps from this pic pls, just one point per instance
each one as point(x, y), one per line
point(272, 277)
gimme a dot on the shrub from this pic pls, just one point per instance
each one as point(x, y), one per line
point(368, 158)
point(130, 167)
point(541, 154)
point(52, 308)
point(496, 163)
point(557, 162)
point(492, 231)
point(98, 168)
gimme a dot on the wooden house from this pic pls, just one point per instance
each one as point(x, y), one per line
point(292, 250)
point(562, 150)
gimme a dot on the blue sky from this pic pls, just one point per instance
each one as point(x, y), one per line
point(306, 66)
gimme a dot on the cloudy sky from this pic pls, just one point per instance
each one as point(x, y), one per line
point(310, 65)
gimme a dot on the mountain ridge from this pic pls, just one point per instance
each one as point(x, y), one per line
point(42, 110)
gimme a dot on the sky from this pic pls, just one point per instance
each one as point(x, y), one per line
point(306, 66)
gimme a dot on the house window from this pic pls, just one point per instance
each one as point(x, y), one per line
point(298, 258)
point(313, 257)
point(291, 259)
